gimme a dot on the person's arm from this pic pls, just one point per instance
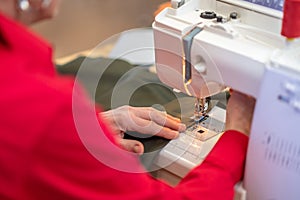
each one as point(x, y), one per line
point(220, 171)
point(69, 164)
point(74, 159)
point(224, 165)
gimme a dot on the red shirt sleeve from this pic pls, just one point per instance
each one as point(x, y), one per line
point(54, 147)
point(220, 171)
point(70, 164)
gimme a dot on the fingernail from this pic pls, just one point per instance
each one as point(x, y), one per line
point(137, 149)
point(182, 127)
point(176, 135)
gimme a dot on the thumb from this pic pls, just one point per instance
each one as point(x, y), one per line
point(132, 146)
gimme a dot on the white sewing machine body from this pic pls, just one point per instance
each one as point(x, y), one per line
point(221, 49)
point(247, 53)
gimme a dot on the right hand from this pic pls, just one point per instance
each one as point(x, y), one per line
point(145, 120)
point(239, 114)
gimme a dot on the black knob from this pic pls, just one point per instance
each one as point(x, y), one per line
point(208, 15)
point(233, 15)
point(219, 18)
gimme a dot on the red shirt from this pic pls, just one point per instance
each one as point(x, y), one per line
point(52, 146)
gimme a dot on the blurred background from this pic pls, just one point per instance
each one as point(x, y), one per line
point(83, 24)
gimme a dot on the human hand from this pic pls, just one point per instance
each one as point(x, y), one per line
point(145, 120)
point(239, 112)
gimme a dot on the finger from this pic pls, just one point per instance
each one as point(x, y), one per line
point(173, 118)
point(145, 113)
point(167, 133)
point(133, 146)
point(150, 127)
point(161, 118)
point(166, 120)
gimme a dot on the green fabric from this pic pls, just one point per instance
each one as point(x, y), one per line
point(113, 80)
point(150, 91)
point(120, 77)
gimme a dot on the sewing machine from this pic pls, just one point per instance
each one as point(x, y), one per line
point(204, 46)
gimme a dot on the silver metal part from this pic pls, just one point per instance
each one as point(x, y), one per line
point(200, 111)
point(177, 3)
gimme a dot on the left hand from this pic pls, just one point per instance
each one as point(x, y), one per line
point(239, 112)
point(145, 120)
